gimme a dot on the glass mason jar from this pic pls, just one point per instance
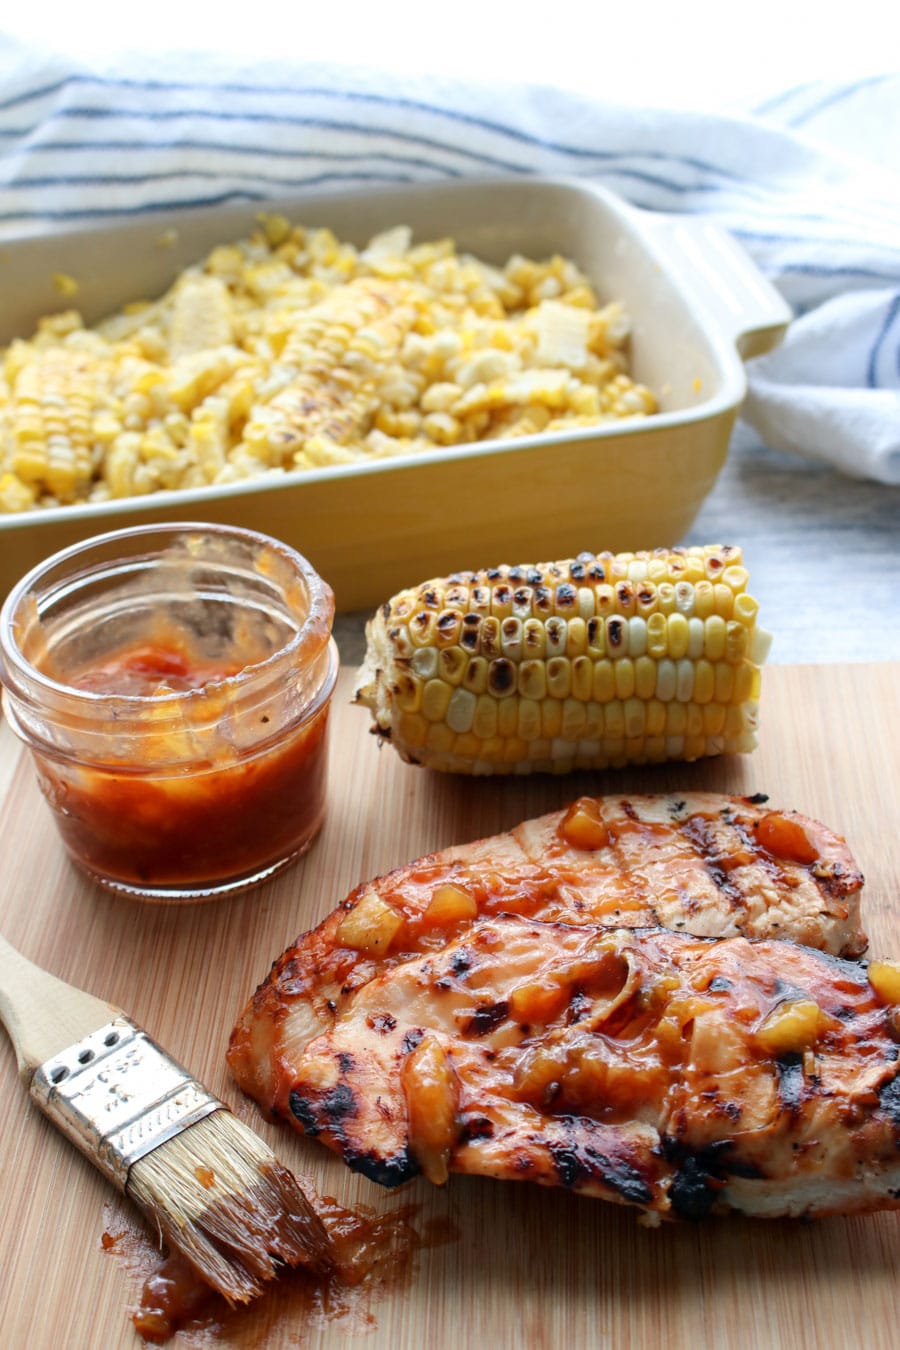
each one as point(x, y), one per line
point(173, 685)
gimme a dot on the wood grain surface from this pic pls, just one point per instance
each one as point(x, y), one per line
point(524, 1267)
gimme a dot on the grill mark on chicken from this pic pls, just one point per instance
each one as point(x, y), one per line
point(486, 1018)
point(701, 833)
point(889, 1097)
point(791, 1082)
point(577, 1165)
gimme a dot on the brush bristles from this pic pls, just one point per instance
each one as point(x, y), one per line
point(219, 1196)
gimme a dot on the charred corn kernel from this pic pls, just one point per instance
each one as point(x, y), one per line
point(643, 677)
point(604, 600)
point(475, 677)
point(534, 638)
point(582, 678)
point(408, 693)
point(447, 628)
point(556, 630)
point(511, 638)
point(449, 904)
point(884, 977)
point(370, 926)
point(559, 677)
point(596, 637)
point(452, 663)
point(533, 680)
point(490, 636)
point(790, 1028)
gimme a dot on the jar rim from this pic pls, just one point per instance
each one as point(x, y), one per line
point(303, 648)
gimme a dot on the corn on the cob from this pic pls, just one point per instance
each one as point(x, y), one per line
point(595, 662)
point(336, 349)
point(201, 317)
point(50, 431)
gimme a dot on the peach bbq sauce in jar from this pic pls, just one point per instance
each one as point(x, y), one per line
point(173, 685)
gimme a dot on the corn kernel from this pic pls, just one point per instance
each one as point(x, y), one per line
point(484, 723)
point(624, 675)
point(551, 718)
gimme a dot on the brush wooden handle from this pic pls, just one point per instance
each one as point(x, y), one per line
point(42, 1014)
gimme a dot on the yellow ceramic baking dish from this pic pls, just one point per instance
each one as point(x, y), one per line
point(698, 306)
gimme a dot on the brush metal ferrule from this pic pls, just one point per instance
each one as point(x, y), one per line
point(117, 1096)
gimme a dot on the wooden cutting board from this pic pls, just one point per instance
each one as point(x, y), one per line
point(518, 1266)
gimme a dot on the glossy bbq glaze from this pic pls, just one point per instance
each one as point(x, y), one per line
point(693, 863)
point(684, 1076)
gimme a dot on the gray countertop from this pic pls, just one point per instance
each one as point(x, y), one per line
point(823, 551)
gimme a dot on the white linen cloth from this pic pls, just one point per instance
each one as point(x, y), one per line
point(81, 141)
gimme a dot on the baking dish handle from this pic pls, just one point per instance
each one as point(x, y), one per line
point(717, 271)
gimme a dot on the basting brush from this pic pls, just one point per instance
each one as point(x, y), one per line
point(210, 1187)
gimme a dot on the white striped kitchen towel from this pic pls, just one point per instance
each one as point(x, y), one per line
point(82, 143)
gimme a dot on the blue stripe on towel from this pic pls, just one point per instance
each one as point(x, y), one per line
point(878, 346)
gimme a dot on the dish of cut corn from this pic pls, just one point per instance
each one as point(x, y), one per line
point(292, 350)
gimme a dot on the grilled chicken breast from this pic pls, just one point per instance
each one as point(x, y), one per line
point(706, 864)
point(682, 1075)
